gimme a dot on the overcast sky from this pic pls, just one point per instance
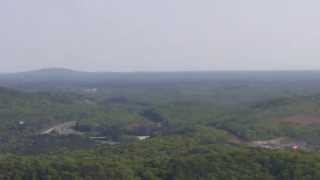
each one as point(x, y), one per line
point(159, 35)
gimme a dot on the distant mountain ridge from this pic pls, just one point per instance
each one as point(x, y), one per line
point(61, 77)
point(44, 77)
point(65, 72)
point(50, 72)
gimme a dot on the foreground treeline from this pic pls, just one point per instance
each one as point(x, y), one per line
point(164, 158)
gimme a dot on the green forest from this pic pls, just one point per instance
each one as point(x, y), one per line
point(167, 129)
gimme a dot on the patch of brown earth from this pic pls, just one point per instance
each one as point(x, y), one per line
point(62, 129)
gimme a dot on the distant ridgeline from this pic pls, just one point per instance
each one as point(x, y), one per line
point(66, 79)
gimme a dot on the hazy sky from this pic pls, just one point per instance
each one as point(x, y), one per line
point(159, 35)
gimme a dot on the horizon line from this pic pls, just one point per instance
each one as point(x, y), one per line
point(162, 71)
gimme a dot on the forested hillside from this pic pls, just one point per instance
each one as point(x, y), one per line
point(166, 158)
point(183, 129)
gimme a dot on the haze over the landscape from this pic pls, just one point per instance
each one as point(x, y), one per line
point(167, 35)
point(159, 90)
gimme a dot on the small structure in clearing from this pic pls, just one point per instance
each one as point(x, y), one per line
point(279, 143)
point(143, 137)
